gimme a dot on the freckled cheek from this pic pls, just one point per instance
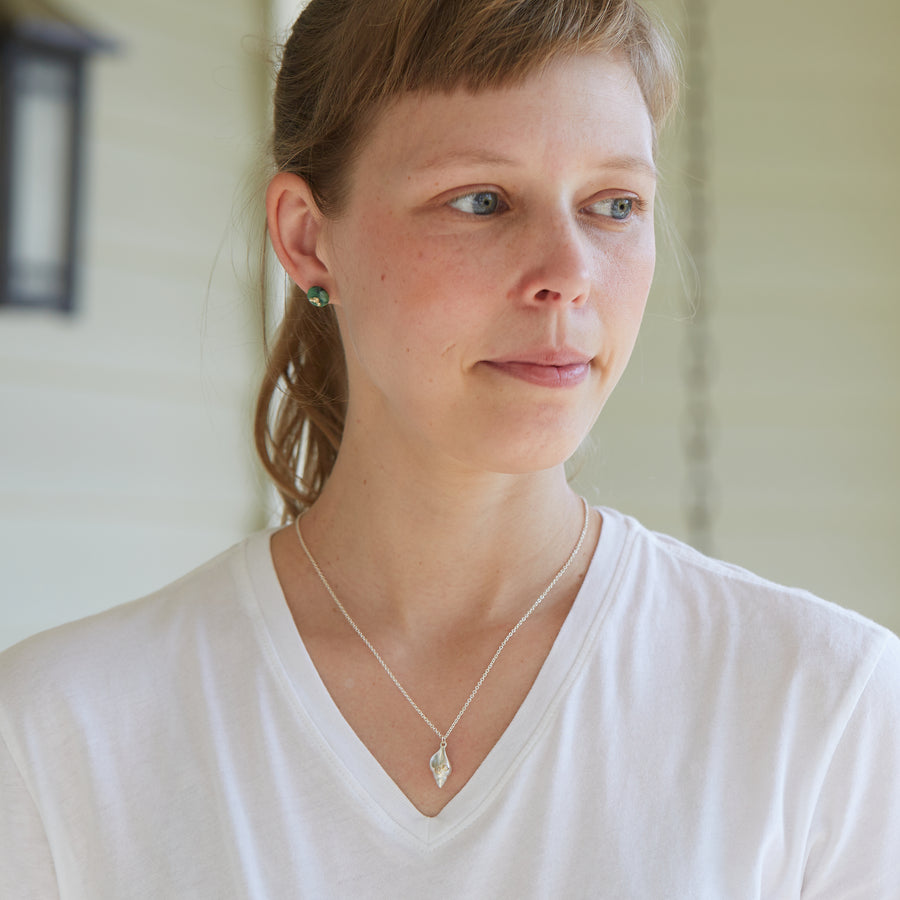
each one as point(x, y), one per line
point(632, 277)
point(640, 286)
point(426, 274)
point(395, 256)
point(622, 297)
point(404, 295)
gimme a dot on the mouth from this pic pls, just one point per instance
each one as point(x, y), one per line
point(552, 369)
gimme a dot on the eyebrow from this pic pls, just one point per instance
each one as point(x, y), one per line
point(463, 157)
point(631, 164)
point(477, 157)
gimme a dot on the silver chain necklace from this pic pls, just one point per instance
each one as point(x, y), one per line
point(440, 762)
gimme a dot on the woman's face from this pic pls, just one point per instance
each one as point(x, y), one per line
point(492, 265)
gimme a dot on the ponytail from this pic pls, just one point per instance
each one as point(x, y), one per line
point(302, 403)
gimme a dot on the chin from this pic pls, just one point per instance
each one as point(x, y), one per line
point(534, 453)
point(544, 439)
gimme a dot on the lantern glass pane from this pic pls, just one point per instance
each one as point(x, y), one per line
point(43, 133)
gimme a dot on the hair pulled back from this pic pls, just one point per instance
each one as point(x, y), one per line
point(343, 62)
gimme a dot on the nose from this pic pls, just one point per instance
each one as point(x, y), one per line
point(558, 263)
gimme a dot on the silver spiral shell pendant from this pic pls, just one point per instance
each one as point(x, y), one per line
point(440, 765)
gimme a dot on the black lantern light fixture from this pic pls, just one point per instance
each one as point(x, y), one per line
point(42, 62)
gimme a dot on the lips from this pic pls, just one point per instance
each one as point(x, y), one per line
point(552, 368)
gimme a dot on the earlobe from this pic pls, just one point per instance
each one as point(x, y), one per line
point(295, 223)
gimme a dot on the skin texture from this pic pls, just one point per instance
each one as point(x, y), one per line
point(480, 350)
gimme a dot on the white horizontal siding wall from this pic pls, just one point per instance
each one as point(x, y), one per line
point(126, 457)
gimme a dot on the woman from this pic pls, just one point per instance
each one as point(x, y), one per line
point(447, 676)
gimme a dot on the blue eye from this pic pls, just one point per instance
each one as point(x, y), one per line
point(479, 203)
point(615, 207)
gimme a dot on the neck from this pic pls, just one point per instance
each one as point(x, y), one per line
point(426, 549)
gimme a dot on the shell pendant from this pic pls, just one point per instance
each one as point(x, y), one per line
point(440, 765)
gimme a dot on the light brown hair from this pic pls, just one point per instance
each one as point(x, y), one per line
point(346, 59)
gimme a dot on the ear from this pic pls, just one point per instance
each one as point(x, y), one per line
point(295, 225)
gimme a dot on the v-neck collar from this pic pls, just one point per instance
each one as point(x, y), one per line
point(562, 665)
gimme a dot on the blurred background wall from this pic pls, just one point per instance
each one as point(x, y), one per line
point(796, 199)
point(124, 458)
point(758, 418)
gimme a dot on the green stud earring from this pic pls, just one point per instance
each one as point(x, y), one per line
point(318, 296)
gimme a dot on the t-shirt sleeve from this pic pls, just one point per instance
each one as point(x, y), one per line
point(26, 865)
point(854, 842)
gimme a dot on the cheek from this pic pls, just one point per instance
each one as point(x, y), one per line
point(626, 284)
point(627, 274)
point(431, 289)
point(637, 274)
point(639, 289)
point(397, 296)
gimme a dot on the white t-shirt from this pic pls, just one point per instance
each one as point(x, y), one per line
point(695, 732)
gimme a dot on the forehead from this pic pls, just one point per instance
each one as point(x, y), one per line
point(581, 106)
